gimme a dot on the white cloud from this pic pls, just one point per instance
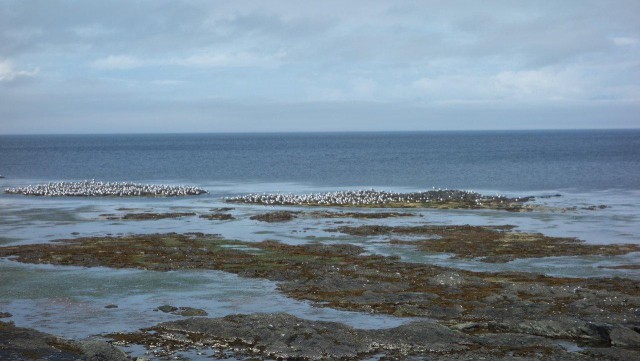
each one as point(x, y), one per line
point(117, 62)
point(8, 73)
point(204, 60)
point(548, 84)
point(229, 59)
point(624, 41)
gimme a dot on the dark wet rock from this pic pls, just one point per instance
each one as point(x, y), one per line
point(5, 315)
point(18, 344)
point(286, 337)
point(613, 354)
point(190, 312)
point(283, 336)
point(358, 215)
point(150, 216)
point(221, 209)
point(182, 311)
point(594, 207)
point(624, 337)
point(218, 216)
point(562, 328)
point(97, 350)
point(167, 308)
point(278, 216)
point(111, 306)
point(495, 244)
point(144, 216)
point(622, 266)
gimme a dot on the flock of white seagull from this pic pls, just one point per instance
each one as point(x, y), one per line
point(367, 197)
point(93, 188)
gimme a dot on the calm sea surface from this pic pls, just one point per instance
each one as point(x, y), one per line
point(503, 161)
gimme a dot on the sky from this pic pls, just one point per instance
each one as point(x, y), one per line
point(124, 66)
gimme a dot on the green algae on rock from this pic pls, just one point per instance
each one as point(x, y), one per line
point(489, 243)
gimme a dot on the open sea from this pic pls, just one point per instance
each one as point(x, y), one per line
point(594, 167)
point(498, 160)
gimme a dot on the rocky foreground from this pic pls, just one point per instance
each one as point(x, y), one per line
point(467, 315)
point(18, 344)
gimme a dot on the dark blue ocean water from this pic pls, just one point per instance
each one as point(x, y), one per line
point(519, 160)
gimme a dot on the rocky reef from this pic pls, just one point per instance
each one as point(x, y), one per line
point(286, 337)
point(94, 188)
point(440, 198)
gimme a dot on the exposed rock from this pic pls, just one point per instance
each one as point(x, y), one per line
point(613, 354)
point(562, 327)
point(624, 337)
point(283, 336)
point(221, 209)
point(96, 350)
point(278, 216)
point(360, 215)
point(190, 312)
point(183, 311)
point(148, 216)
point(167, 308)
point(18, 344)
point(218, 216)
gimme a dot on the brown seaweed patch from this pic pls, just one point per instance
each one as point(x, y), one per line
point(490, 243)
point(340, 276)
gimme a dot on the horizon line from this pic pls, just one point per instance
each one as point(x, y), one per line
point(333, 131)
